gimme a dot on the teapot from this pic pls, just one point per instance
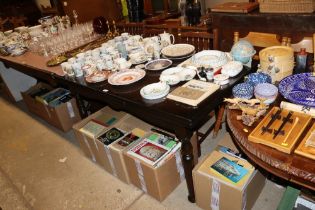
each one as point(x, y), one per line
point(166, 39)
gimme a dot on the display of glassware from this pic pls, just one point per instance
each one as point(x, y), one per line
point(50, 44)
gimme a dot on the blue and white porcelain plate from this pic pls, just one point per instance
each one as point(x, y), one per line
point(299, 89)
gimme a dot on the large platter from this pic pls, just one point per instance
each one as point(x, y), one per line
point(299, 89)
point(211, 58)
point(126, 77)
point(178, 50)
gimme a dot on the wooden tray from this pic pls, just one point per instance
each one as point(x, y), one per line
point(292, 131)
point(308, 152)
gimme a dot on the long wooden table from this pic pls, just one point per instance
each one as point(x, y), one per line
point(173, 116)
point(290, 167)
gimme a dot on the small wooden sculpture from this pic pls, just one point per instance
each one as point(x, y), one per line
point(251, 109)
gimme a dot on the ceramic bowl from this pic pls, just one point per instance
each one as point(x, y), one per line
point(170, 79)
point(257, 78)
point(232, 68)
point(266, 92)
point(243, 90)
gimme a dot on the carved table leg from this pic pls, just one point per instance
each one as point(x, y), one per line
point(187, 159)
point(218, 120)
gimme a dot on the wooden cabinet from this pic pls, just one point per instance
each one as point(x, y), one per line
point(295, 26)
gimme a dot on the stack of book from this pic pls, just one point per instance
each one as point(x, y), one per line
point(55, 97)
point(156, 148)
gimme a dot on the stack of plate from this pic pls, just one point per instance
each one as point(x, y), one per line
point(155, 90)
point(178, 51)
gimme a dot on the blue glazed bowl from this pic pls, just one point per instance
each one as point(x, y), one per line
point(243, 90)
point(266, 92)
point(258, 78)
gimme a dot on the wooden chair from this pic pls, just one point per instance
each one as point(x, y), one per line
point(202, 40)
point(131, 28)
point(154, 30)
point(260, 40)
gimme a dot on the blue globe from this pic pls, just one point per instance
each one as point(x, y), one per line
point(242, 51)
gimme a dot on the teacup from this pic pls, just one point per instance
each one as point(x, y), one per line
point(71, 60)
point(88, 69)
point(80, 55)
point(122, 63)
point(77, 69)
point(137, 57)
point(111, 42)
point(67, 68)
point(100, 65)
point(88, 53)
point(118, 39)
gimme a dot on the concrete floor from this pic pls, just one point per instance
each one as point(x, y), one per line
point(34, 175)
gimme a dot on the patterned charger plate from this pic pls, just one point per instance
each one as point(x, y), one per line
point(299, 89)
point(126, 77)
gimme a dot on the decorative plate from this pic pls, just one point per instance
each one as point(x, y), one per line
point(98, 76)
point(158, 64)
point(299, 89)
point(126, 77)
point(155, 91)
point(180, 57)
point(178, 50)
point(210, 58)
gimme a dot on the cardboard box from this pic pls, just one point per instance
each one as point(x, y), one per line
point(116, 150)
point(214, 191)
point(87, 142)
point(158, 182)
point(62, 116)
point(33, 105)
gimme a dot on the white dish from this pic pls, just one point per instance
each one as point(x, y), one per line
point(187, 74)
point(155, 91)
point(126, 77)
point(170, 79)
point(232, 68)
point(173, 70)
point(221, 79)
point(210, 58)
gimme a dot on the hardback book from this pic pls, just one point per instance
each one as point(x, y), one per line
point(128, 139)
point(93, 128)
point(236, 7)
point(193, 92)
point(162, 138)
point(148, 151)
point(229, 169)
point(111, 136)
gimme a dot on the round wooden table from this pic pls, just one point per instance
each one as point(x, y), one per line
point(291, 167)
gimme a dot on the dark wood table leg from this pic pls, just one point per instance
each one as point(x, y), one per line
point(184, 136)
point(218, 120)
point(82, 109)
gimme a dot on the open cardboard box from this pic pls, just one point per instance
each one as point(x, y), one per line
point(214, 191)
point(158, 182)
point(62, 116)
